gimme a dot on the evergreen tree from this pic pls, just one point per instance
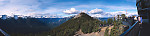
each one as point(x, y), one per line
point(123, 16)
point(114, 19)
point(118, 18)
point(101, 22)
point(109, 21)
point(104, 22)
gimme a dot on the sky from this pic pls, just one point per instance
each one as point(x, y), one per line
point(64, 8)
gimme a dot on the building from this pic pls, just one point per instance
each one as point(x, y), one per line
point(4, 17)
point(16, 17)
point(143, 7)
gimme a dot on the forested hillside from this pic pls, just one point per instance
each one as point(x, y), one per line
point(83, 21)
point(30, 26)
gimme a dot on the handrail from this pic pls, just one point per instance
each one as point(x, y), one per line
point(3, 32)
point(129, 29)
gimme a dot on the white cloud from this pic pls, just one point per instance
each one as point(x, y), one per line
point(96, 11)
point(99, 13)
point(24, 7)
point(112, 14)
point(18, 7)
point(120, 7)
point(32, 7)
point(122, 12)
point(111, 7)
point(71, 11)
point(3, 2)
point(131, 14)
point(117, 13)
point(50, 11)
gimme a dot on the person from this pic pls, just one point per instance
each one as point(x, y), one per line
point(134, 19)
point(140, 21)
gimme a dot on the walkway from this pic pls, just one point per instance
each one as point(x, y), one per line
point(101, 33)
point(145, 30)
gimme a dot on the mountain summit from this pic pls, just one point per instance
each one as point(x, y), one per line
point(80, 14)
point(84, 15)
point(81, 21)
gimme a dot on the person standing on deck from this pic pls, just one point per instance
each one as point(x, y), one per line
point(140, 21)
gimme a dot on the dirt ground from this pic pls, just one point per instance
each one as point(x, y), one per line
point(101, 33)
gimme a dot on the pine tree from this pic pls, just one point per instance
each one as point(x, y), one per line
point(109, 21)
point(104, 22)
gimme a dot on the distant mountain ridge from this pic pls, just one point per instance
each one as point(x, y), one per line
point(81, 21)
point(30, 26)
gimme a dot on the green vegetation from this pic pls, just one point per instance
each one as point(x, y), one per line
point(86, 23)
point(114, 30)
point(104, 22)
point(106, 32)
point(123, 15)
point(118, 27)
point(110, 21)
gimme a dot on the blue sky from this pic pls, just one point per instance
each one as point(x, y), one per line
point(65, 7)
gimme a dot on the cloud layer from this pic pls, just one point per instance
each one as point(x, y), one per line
point(96, 11)
point(71, 11)
point(18, 7)
point(26, 7)
point(60, 7)
point(113, 14)
point(99, 13)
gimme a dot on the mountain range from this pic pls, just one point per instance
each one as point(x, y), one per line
point(30, 26)
point(43, 26)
